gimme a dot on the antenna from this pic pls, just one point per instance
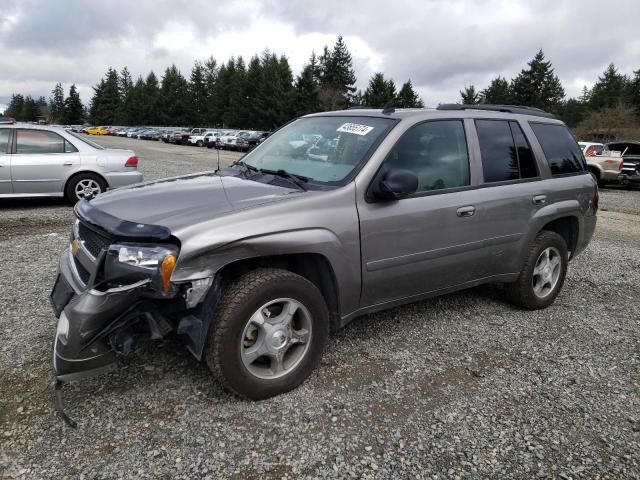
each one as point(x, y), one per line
point(389, 108)
point(218, 147)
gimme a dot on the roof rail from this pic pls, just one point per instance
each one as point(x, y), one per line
point(359, 107)
point(515, 109)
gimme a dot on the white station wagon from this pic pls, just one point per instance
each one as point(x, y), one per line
point(50, 161)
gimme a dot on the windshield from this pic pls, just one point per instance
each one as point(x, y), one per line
point(88, 142)
point(322, 149)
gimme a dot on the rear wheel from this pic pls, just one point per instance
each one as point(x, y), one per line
point(596, 176)
point(270, 330)
point(84, 185)
point(543, 274)
point(199, 143)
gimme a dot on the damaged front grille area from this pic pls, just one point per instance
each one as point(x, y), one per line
point(93, 241)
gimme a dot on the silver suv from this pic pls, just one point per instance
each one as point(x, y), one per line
point(334, 216)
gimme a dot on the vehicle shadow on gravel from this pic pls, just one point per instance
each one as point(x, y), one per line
point(35, 202)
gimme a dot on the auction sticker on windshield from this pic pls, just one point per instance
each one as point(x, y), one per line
point(354, 128)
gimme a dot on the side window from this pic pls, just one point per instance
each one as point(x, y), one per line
point(526, 160)
point(563, 153)
point(5, 133)
point(499, 157)
point(41, 141)
point(436, 152)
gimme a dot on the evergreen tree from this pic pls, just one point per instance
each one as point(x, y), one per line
point(634, 91)
point(174, 98)
point(573, 111)
point(253, 83)
point(307, 91)
point(30, 110)
point(497, 93)
point(236, 105)
point(470, 96)
point(73, 109)
point(198, 95)
point(276, 95)
point(408, 98)
point(15, 107)
point(211, 78)
point(337, 76)
point(379, 92)
point(150, 97)
point(56, 103)
point(125, 84)
point(105, 103)
point(538, 86)
point(609, 90)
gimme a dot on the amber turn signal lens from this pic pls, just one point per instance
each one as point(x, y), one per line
point(166, 269)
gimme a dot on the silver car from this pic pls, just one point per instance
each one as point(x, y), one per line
point(50, 161)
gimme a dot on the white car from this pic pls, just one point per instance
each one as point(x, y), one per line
point(604, 165)
point(201, 139)
point(40, 161)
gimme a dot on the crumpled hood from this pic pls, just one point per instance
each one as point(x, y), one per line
point(185, 201)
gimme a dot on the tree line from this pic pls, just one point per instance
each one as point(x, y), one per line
point(613, 101)
point(261, 93)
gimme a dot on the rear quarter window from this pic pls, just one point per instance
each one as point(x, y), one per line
point(560, 148)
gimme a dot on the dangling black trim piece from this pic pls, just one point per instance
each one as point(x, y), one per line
point(60, 407)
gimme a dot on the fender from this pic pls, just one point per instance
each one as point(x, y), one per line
point(344, 258)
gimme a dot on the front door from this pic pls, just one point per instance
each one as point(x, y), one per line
point(41, 161)
point(5, 161)
point(433, 239)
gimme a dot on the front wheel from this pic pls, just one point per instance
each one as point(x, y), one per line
point(543, 273)
point(269, 333)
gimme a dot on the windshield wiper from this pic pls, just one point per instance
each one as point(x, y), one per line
point(298, 180)
point(245, 167)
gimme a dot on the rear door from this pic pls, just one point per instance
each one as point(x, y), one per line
point(41, 161)
point(5, 161)
point(510, 194)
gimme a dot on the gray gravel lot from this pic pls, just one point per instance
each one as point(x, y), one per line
point(464, 386)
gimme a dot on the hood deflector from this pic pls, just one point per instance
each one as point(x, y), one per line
point(118, 227)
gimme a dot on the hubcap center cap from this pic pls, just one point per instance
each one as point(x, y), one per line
point(278, 340)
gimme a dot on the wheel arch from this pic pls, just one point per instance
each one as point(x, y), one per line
point(314, 267)
point(82, 172)
point(568, 227)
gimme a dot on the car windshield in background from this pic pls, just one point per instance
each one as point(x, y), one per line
point(323, 149)
point(84, 140)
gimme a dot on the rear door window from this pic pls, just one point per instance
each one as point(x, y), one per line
point(564, 156)
point(506, 155)
point(5, 133)
point(41, 142)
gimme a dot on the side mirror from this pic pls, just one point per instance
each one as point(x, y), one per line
point(396, 184)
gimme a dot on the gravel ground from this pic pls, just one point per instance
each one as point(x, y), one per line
point(463, 386)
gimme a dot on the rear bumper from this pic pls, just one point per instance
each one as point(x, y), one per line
point(586, 233)
point(122, 179)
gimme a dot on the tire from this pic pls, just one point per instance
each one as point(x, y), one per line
point(209, 145)
point(596, 176)
point(227, 350)
point(199, 143)
point(71, 191)
point(522, 293)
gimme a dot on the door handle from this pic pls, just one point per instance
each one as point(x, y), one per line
point(539, 199)
point(67, 164)
point(467, 211)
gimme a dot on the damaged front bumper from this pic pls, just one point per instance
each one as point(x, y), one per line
point(97, 325)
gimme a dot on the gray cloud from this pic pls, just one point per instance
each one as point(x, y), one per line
point(442, 45)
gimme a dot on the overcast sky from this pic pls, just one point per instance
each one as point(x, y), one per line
point(441, 45)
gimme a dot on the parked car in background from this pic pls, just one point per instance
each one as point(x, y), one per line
point(178, 136)
point(122, 132)
point(46, 161)
point(193, 131)
point(254, 264)
point(211, 140)
point(200, 139)
point(230, 140)
point(150, 134)
point(133, 133)
point(257, 137)
point(605, 166)
point(630, 152)
point(97, 131)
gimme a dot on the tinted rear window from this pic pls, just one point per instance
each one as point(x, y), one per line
point(506, 155)
point(564, 156)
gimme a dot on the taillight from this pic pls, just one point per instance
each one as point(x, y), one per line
point(131, 162)
point(621, 166)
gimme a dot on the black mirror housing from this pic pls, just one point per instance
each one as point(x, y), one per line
point(396, 184)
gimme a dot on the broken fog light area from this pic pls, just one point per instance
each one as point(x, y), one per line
point(196, 292)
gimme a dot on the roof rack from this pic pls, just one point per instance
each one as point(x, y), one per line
point(515, 109)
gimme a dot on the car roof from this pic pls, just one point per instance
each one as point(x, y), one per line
point(446, 111)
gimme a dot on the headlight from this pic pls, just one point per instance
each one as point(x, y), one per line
point(147, 261)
